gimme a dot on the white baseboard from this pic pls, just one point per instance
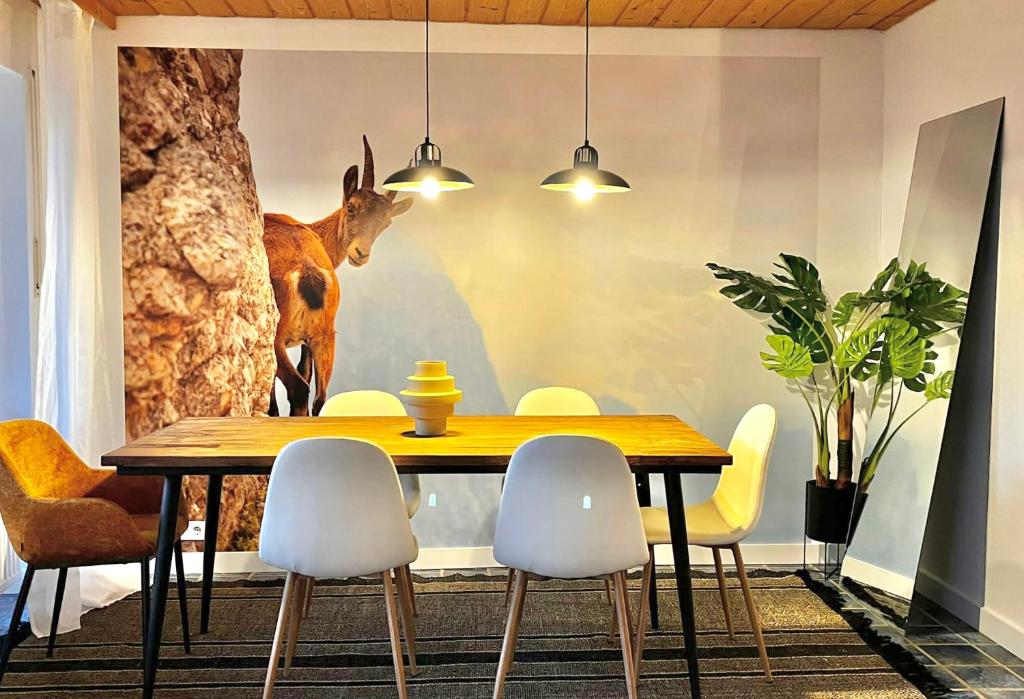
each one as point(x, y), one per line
point(1005, 632)
point(244, 562)
point(949, 597)
point(870, 574)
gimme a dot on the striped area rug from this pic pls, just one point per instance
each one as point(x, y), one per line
point(816, 649)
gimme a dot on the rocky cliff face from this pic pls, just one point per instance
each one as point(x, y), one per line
point(199, 313)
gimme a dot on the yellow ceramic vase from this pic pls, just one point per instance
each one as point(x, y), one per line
point(430, 397)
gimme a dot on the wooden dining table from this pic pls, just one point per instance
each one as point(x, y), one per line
point(227, 446)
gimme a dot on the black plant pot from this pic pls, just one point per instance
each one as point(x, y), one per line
point(832, 515)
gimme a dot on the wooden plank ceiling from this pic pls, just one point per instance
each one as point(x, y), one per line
point(746, 14)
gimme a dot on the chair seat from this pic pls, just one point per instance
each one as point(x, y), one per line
point(149, 527)
point(704, 526)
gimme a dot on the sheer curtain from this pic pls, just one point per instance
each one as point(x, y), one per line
point(73, 390)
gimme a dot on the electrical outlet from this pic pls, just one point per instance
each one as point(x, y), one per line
point(196, 531)
point(432, 500)
point(586, 502)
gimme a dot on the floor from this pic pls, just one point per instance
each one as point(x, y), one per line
point(968, 662)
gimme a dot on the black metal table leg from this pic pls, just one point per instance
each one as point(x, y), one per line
point(161, 577)
point(213, 489)
point(681, 554)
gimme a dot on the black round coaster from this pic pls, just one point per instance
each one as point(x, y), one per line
point(412, 435)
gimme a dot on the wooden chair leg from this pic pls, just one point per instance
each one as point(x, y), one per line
point(641, 623)
point(282, 622)
point(410, 588)
point(608, 592)
point(396, 641)
point(720, 572)
point(622, 612)
point(19, 609)
point(508, 585)
point(508, 646)
point(308, 601)
point(614, 628)
point(405, 609)
point(179, 573)
point(755, 620)
point(298, 602)
point(58, 599)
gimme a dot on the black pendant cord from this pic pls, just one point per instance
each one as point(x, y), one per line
point(586, 80)
point(426, 62)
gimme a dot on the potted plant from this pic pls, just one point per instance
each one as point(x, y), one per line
point(875, 343)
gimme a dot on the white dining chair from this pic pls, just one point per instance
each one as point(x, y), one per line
point(370, 403)
point(555, 400)
point(334, 510)
point(569, 510)
point(723, 521)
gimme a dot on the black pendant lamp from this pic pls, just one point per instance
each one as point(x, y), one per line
point(584, 178)
point(426, 175)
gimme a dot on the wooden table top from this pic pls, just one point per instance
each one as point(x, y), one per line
point(474, 444)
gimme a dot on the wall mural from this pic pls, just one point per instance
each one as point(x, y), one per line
point(258, 253)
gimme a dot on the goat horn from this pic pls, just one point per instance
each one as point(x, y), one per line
point(367, 165)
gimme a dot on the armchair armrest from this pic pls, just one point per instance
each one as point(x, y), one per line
point(138, 495)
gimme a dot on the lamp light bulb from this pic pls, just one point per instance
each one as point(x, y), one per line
point(584, 189)
point(430, 188)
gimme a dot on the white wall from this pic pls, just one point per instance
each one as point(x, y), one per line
point(17, 299)
point(950, 56)
point(845, 203)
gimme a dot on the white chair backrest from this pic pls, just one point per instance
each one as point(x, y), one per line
point(569, 510)
point(334, 509)
point(363, 404)
point(739, 496)
point(375, 404)
point(557, 400)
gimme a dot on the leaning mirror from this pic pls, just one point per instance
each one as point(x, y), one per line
point(949, 228)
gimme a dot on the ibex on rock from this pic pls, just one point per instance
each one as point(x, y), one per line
point(302, 259)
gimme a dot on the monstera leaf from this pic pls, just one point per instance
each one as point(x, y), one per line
point(939, 388)
point(930, 304)
point(920, 382)
point(790, 361)
point(803, 285)
point(809, 332)
point(904, 352)
point(845, 309)
point(748, 291)
point(861, 352)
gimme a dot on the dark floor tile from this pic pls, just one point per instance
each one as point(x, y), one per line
point(946, 677)
point(976, 637)
point(988, 677)
point(935, 636)
point(1003, 693)
point(1001, 655)
point(956, 654)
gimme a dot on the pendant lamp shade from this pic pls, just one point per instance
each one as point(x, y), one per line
point(584, 178)
point(425, 173)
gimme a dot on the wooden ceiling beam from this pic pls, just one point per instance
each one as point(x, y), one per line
point(773, 14)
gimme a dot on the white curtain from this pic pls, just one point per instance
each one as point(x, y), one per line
point(73, 390)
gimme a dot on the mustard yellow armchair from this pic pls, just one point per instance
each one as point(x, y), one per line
point(60, 514)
